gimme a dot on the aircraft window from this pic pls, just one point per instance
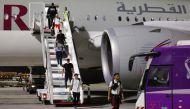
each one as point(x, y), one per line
point(127, 18)
point(159, 76)
point(88, 17)
point(119, 18)
point(96, 17)
point(104, 18)
point(144, 19)
point(136, 19)
point(152, 19)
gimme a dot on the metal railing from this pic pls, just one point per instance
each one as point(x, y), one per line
point(73, 53)
point(46, 59)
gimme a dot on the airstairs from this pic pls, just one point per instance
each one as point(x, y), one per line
point(54, 90)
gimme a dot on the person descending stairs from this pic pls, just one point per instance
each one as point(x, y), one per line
point(57, 80)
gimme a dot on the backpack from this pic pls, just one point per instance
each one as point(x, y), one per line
point(115, 85)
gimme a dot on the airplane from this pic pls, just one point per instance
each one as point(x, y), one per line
point(106, 33)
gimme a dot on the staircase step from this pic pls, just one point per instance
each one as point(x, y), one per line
point(60, 82)
point(47, 30)
point(58, 75)
point(51, 48)
point(60, 97)
point(54, 61)
point(55, 90)
point(61, 93)
point(56, 69)
point(51, 45)
point(53, 65)
point(59, 85)
point(51, 37)
point(51, 40)
point(59, 78)
point(52, 57)
point(52, 51)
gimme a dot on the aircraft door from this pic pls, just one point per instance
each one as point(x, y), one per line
point(158, 91)
point(36, 12)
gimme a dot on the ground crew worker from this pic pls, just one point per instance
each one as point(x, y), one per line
point(66, 14)
point(115, 91)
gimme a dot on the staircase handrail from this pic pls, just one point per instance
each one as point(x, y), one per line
point(73, 52)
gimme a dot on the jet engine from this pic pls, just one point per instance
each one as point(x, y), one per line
point(120, 43)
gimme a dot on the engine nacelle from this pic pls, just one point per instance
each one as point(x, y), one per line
point(119, 44)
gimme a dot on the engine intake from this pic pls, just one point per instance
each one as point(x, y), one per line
point(119, 44)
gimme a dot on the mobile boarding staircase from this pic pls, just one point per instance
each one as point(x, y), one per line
point(55, 91)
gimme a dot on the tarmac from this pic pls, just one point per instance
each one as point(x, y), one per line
point(16, 98)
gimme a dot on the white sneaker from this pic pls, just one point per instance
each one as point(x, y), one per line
point(60, 66)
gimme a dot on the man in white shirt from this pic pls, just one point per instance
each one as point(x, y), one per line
point(75, 87)
point(115, 91)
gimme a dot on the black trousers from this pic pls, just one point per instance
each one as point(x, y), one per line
point(59, 56)
point(76, 96)
point(68, 76)
point(50, 21)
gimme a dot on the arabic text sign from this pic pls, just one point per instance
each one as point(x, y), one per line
point(139, 10)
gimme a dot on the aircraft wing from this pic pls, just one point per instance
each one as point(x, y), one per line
point(175, 25)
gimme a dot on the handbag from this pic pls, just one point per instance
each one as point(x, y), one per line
point(70, 98)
